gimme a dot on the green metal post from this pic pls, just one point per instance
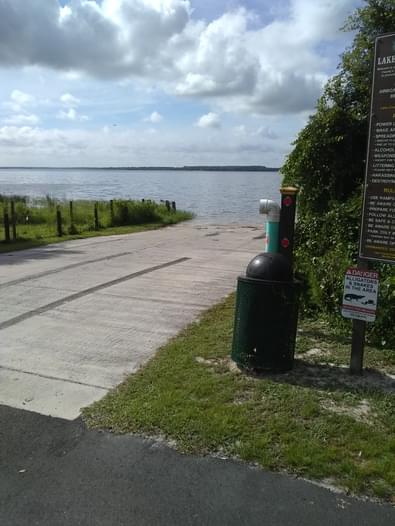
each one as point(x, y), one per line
point(272, 228)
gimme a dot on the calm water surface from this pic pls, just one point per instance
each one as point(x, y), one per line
point(221, 197)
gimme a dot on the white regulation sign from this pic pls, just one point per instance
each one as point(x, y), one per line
point(360, 294)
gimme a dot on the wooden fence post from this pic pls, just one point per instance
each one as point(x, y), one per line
point(168, 205)
point(13, 221)
point(72, 230)
point(112, 212)
point(96, 214)
point(6, 225)
point(173, 206)
point(59, 221)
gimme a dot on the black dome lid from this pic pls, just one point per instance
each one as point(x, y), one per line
point(269, 266)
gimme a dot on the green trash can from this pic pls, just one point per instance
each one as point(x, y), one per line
point(265, 324)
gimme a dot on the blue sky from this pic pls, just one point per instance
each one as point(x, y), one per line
point(154, 82)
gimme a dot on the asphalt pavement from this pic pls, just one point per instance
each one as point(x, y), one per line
point(55, 472)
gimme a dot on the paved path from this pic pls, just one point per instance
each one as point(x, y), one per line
point(56, 473)
point(77, 317)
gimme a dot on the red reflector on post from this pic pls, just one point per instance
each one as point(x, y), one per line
point(285, 242)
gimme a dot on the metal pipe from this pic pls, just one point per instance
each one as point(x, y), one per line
point(271, 210)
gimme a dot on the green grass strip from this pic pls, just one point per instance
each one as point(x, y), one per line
point(36, 223)
point(315, 421)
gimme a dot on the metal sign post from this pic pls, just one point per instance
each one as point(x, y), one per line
point(358, 334)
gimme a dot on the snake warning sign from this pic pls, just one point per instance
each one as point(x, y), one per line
point(360, 294)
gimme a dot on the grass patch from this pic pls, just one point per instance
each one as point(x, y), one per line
point(36, 219)
point(315, 421)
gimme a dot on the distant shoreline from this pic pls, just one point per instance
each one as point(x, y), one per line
point(230, 168)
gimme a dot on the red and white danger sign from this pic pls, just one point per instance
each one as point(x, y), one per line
point(360, 294)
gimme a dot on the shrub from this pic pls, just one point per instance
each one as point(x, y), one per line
point(135, 213)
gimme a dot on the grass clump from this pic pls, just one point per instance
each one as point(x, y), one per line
point(315, 421)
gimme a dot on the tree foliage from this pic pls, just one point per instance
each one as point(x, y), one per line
point(328, 165)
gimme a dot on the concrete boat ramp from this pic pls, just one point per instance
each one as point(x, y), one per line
point(77, 317)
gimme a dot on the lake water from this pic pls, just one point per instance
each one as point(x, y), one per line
point(220, 197)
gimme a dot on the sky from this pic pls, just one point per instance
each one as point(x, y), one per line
point(162, 82)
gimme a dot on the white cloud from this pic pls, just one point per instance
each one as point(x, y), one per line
point(318, 20)
point(219, 62)
point(119, 146)
point(69, 100)
point(240, 130)
point(21, 98)
point(155, 117)
point(18, 100)
point(72, 115)
point(236, 61)
point(264, 131)
point(210, 120)
point(111, 39)
point(20, 119)
point(26, 137)
point(64, 13)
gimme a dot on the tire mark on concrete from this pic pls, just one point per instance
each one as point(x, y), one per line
point(86, 292)
point(61, 269)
